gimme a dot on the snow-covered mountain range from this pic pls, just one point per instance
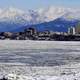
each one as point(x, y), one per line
point(40, 15)
point(13, 18)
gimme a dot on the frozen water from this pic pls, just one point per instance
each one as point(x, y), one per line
point(40, 60)
point(39, 53)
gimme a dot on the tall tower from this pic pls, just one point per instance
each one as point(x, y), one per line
point(78, 28)
point(71, 31)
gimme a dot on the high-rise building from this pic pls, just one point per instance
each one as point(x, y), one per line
point(71, 31)
point(78, 28)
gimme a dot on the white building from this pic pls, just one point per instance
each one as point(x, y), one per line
point(71, 31)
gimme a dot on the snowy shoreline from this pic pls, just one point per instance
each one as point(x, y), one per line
point(65, 72)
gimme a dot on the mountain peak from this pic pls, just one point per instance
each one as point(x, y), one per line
point(13, 18)
point(12, 9)
point(9, 12)
point(40, 15)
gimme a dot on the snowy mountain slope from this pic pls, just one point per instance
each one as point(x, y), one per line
point(52, 13)
point(11, 19)
point(40, 15)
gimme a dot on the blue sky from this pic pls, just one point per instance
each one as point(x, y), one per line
point(33, 4)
